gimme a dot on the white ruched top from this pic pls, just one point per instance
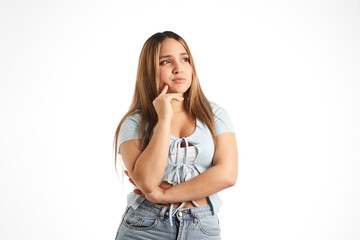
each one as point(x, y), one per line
point(179, 160)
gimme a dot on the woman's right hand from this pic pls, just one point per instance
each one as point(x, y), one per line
point(162, 103)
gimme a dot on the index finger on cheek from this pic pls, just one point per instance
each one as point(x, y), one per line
point(164, 90)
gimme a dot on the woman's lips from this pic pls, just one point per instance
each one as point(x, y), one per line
point(179, 80)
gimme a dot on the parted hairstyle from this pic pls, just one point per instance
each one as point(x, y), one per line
point(147, 89)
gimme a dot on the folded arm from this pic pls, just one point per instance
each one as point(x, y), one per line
point(146, 168)
point(222, 175)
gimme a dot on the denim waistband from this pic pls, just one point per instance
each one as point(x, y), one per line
point(163, 211)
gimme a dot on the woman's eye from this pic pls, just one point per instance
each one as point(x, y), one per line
point(164, 62)
point(167, 61)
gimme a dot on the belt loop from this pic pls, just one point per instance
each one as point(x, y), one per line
point(212, 209)
point(162, 213)
point(193, 213)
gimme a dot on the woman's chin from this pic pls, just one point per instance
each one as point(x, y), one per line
point(177, 90)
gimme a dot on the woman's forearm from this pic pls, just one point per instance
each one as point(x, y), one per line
point(150, 166)
point(221, 175)
point(210, 182)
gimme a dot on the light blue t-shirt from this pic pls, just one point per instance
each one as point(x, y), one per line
point(201, 139)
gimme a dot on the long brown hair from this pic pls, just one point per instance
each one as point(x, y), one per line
point(147, 89)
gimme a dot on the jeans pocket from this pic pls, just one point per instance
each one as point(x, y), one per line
point(140, 221)
point(209, 225)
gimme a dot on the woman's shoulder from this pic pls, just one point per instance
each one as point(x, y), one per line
point(216, 108)
point(134, 117)
point(222, 119)
point(129, 128)
point(130, 121)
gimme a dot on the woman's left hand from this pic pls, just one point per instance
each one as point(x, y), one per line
point(156, 196)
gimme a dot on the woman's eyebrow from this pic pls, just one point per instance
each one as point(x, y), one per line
point(171, 55)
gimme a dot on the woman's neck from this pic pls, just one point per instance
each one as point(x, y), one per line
point(177, 106)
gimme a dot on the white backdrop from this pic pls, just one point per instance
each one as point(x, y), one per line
point(287, 72)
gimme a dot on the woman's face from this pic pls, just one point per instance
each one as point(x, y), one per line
point(175, 68)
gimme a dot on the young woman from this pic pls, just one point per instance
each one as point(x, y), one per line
point(179, 149)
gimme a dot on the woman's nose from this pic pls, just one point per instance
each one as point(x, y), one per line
point(177, 68)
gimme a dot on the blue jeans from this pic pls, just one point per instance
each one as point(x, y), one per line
point(151, 221)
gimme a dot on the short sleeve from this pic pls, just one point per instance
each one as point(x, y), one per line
point(222, 120)
point(129, 129)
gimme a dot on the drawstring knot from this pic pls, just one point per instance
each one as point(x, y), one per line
point(180, 172)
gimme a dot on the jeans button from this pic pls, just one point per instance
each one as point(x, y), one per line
point(180, 214)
